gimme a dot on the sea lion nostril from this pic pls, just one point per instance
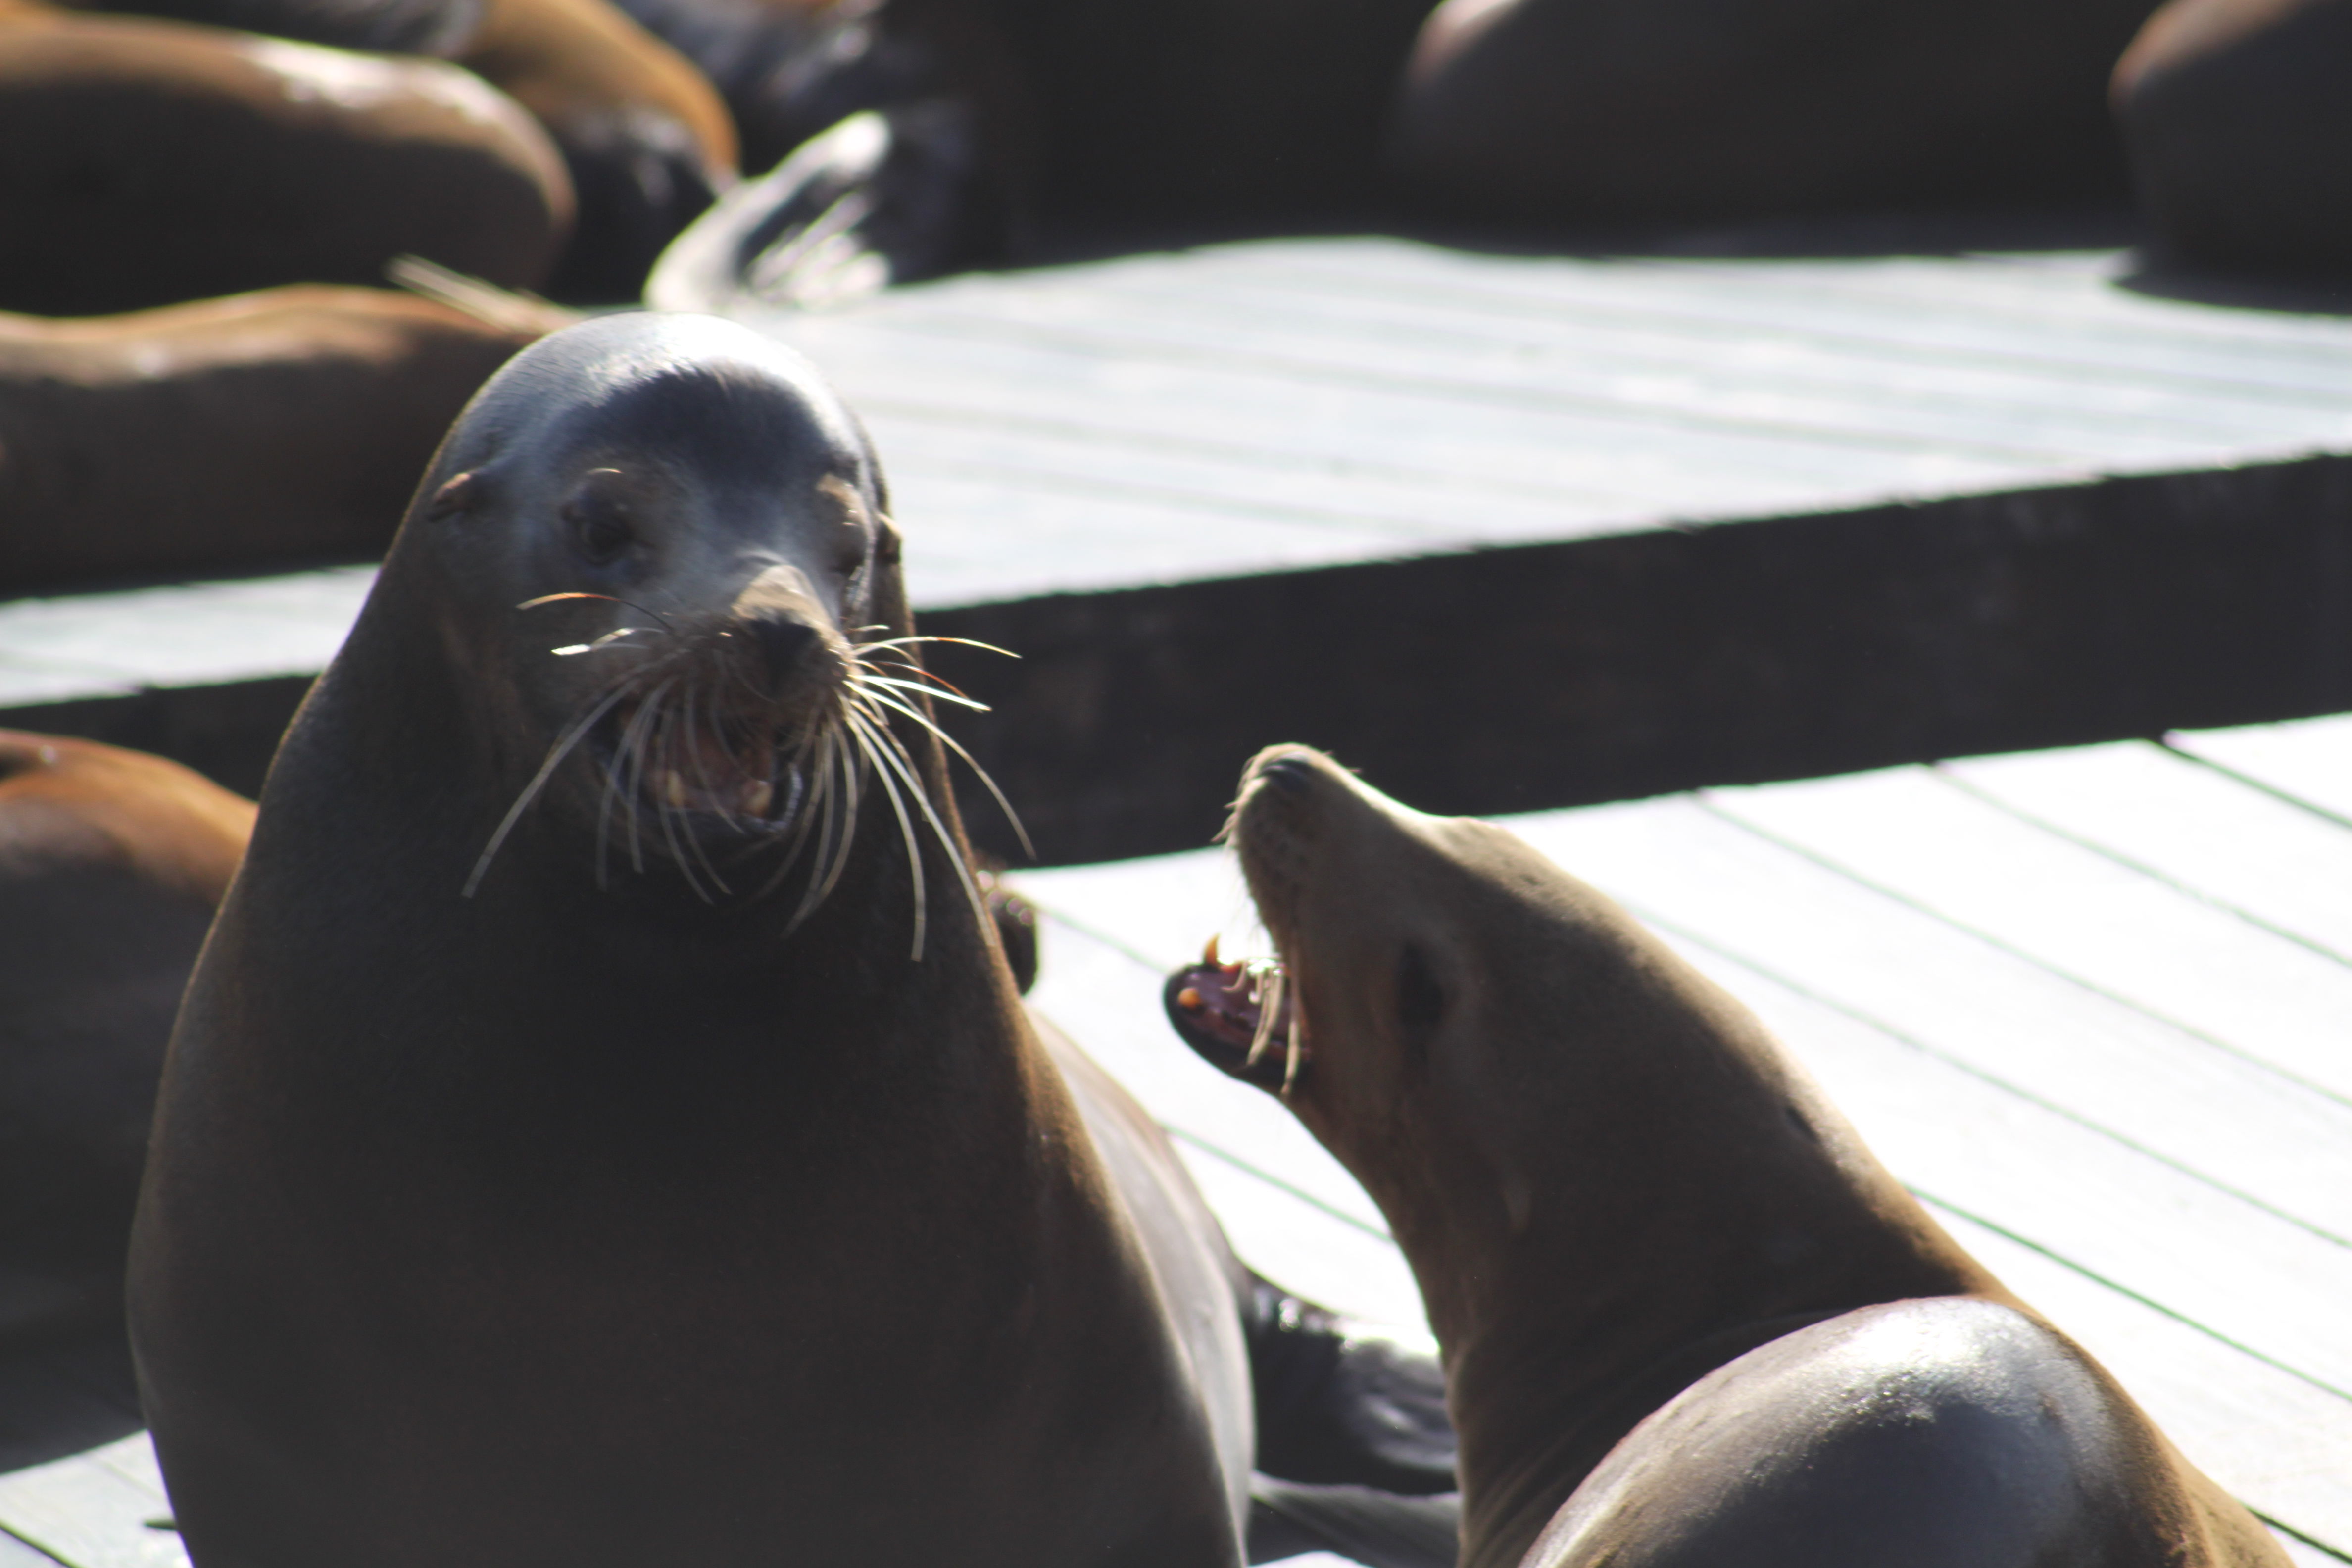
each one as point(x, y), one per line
point(784, 641)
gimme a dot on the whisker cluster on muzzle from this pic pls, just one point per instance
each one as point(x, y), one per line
point(691, 741)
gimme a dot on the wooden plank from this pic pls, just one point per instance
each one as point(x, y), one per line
point(1835, 385)
point(2309, 761)
point(2143, 1081)
point(92, 1511)
point(17, 1553)
point(2262, 1290)
point(2268, 1440)
point(2157, 1270)
point(2116, 928)
point(2194, 826)
point(2062, 313)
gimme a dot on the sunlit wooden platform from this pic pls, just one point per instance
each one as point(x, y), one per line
point(2095, 1005)
point(1692, 521)
point(1514, 532)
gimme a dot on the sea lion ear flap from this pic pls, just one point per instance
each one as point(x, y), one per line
point(454, 499)
point(889, 591)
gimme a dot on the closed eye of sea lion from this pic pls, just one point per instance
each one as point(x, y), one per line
point(1688, 1318)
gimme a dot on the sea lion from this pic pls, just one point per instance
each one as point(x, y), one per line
point(441, 28)
point(2240, 132)
point(283, 424)
point(111, 863)
point(1589, 111)
point(647, 139)
point(601, 1128)
point(1687, 1319)
point(148, 162)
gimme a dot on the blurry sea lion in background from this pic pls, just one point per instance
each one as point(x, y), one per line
point(286, 423)
point(110, 865)
point(1689, 1320)
point(146, 162)
point(645, 139)
point(2238, 114)
point(1000, 120)
point(1696, 110)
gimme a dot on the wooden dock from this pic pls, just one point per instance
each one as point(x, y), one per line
point(2093, 1006)
point(1514, 532)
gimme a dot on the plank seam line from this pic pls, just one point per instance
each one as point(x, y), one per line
point(1699, 324)
point(1407, 529)
point(1279, 460)
point(2311, 1541)
point(2116, 857)
point(1961, 1064)
point(1238, 1164)
point(1096, 345)
point(1817, 380)
point(1998, 945)
point(2125, 1290)
point(32, 1545)
point(2187, 752)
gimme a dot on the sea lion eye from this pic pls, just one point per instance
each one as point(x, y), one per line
point(598, 517)
point(1421, 1001)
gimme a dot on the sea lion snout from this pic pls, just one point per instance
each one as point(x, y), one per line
point(798, 658)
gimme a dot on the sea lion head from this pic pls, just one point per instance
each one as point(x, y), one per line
point(1465, 1025)
point(663, 593)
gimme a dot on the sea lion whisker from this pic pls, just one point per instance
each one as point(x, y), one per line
point(859, 726)
point(843, 836)
point(694, 840)
point(896, 758)
point(555, 755)
point(608, 598)
point(666, 811)
point(941, 692)
point(928, 723)
point(633, 746)
point(809, 801)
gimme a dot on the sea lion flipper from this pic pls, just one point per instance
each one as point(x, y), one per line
point(886, 196)
point(1378, 1529)
point(1342, 1402)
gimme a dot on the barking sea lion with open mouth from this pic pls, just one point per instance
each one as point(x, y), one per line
point(1688, 1320)
point(602, 1129)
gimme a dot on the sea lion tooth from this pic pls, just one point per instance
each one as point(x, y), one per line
point(673, 787)
point(758, 796)
point(1209, 953)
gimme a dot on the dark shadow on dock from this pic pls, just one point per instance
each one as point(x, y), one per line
point(63, 1394)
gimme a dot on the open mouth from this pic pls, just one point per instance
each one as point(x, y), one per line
point(740, 768)
point(1242, 1018)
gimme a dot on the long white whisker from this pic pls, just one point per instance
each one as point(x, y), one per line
point(895, 756)
point(665, 812)
point(555, 755)
point(857, 724)
point(925, 719)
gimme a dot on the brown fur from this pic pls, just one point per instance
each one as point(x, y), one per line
point(147, 162)
point(596, 1223)
point(286, 423)
point(110, 865)
point(1657, 1258)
